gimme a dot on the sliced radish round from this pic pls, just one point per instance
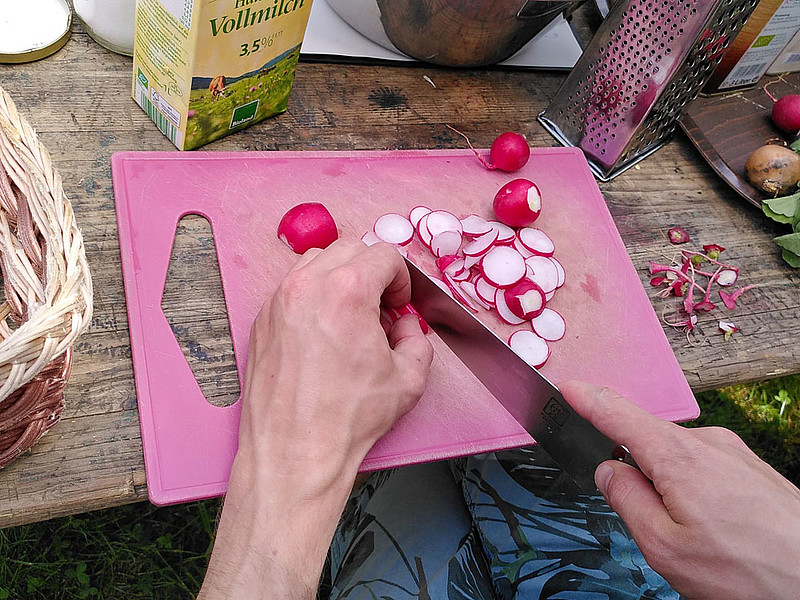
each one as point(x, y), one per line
point(456, 267)
point(441, 220)
point(473, 226)
point(423, 232)
point(370, 238)
point(446, 242)
point(503, 266)
point(394, 228)
point(443, 285)
point(445, 261)
point(469, 289)
point(522, 249)
point(727, 277)
point(485, 290)
point(505, 235)
point(562, 276)
point(481, 244)
point(417, 213)
point(536, 240)
point(471, 261)
point(504, 311)
point(529, 270)
point(462, 275)
point(525, 299)
point(545, 272)
point(549, 325)
point(529, 347)
point(549, 295)
point(459, 294)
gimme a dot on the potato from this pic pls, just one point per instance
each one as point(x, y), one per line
point(773, 169)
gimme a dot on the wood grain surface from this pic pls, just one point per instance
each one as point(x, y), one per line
point(79, 102)
point(727, 128)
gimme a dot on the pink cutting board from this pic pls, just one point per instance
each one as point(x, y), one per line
point(613, 335)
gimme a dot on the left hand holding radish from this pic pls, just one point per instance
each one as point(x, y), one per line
point(324, 382)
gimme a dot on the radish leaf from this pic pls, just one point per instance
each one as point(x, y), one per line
point(791, 258)
point(776, 216)
point(786, 206)
point(790, 242)
point(786, 210)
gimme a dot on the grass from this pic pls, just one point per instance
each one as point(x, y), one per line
point(212, 116)
point(140, 551)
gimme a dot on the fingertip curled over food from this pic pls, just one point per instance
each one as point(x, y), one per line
point(773, 169)
point(307, 225)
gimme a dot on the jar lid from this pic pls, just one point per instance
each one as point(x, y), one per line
point(32, 29)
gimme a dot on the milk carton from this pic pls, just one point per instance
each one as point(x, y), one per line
point(206, 68)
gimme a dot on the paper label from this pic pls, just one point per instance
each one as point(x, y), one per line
point(778, 31)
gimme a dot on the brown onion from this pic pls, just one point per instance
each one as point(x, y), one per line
point(773, 169)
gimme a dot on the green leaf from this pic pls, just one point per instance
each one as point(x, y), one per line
point(795, 145)
point(776, 216)
point(4, 594)
point(34, 583)
point(790, 242)
point(788, 206)
point(792, 258)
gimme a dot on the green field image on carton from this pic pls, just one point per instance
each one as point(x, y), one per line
point(213, 101)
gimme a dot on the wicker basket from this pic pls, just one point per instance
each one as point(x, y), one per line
point(48, 289)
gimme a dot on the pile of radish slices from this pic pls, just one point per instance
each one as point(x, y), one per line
point(488, 265)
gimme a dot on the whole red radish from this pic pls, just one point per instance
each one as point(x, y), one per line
point(518, 203)
point(308, 225)
point(786, 113)
point(509, 152)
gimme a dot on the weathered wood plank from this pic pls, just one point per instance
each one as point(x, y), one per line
point(79, 102)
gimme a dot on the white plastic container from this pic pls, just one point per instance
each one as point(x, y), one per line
point(109, 22)
point(32, 29)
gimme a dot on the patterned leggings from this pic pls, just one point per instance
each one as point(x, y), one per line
point(505, 525)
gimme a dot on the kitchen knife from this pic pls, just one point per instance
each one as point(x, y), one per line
point(570, 440)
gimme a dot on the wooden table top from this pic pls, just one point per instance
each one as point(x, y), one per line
point(79, 102)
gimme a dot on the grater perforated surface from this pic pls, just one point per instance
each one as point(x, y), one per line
point(648, 59)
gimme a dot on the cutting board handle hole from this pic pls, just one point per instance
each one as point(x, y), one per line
point(193, 303)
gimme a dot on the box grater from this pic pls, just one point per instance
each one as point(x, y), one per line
point(648, 59)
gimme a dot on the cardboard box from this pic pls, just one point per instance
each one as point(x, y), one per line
point(789, 58)
point(767, 31)
point(206, 68)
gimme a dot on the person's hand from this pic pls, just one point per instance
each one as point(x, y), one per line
point(709, 515)
point(323, 383)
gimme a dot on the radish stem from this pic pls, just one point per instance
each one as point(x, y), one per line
point(480, 158)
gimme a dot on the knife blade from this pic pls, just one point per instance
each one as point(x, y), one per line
point(570, 440)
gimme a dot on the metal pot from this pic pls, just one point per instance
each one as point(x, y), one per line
point(454, 33)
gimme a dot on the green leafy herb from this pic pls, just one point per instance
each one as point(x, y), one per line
point(786, 210)
point(791, 258)
point(790, 242)
point(777, 216)
point(786, 206)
